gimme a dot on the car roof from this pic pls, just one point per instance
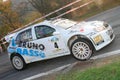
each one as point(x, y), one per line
point(41, 23)
point(45, 22)
point(54, 21)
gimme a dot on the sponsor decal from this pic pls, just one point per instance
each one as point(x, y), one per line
point(27, 49)
point(54, 40)
point(11, 49)
point(32, 45)
point(30, 52)
point(13, 43)
point(81, 30)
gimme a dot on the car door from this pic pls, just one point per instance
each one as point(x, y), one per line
point(51, 45)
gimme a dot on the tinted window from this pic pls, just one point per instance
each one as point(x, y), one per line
point(24, 36)
point(43, 31)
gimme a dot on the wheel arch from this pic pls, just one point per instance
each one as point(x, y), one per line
point(14, 54)
point(74, 37)
point(23, 66)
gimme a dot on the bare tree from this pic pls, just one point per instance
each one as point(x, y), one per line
point(47, 6)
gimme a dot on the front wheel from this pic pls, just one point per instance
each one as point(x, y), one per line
point(81, 49)
point(18, 62)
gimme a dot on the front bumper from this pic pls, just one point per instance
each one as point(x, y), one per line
point(102, 39)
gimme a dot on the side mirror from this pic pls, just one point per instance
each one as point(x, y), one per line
point(56, 33)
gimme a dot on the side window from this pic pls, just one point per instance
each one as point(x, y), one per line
point(24, 36)
point(43, 31)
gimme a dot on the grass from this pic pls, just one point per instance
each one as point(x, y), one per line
point(106, 72)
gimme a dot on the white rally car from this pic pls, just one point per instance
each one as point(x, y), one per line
point(59, 37)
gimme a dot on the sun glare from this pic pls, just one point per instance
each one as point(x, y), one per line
point(4, 0)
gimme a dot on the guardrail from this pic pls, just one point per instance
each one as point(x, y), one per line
point(68, 5)
point(3, 45)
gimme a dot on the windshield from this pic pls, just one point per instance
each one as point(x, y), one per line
point(65, 23)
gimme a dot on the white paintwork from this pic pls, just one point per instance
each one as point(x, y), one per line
point(84, 29)
point(9, 37)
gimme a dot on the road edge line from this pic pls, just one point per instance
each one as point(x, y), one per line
point(106, 54)
point(65, 66)
point(48, 72)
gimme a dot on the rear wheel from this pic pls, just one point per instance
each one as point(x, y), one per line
point(18, 62)
point(81, 49)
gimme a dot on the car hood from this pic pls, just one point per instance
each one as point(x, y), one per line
point(86, 27)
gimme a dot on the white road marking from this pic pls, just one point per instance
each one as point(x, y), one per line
point(65, 66)
point(47, 73)
point(106, 54)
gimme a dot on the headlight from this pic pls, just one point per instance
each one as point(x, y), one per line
point(98, 29)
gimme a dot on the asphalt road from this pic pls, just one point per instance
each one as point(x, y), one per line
point(8, 73)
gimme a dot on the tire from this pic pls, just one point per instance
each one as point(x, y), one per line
point(18, 62)
point(81, 49)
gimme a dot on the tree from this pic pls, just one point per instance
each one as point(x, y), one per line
point(8, 17)
point(47, 6)
point(43, 6)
